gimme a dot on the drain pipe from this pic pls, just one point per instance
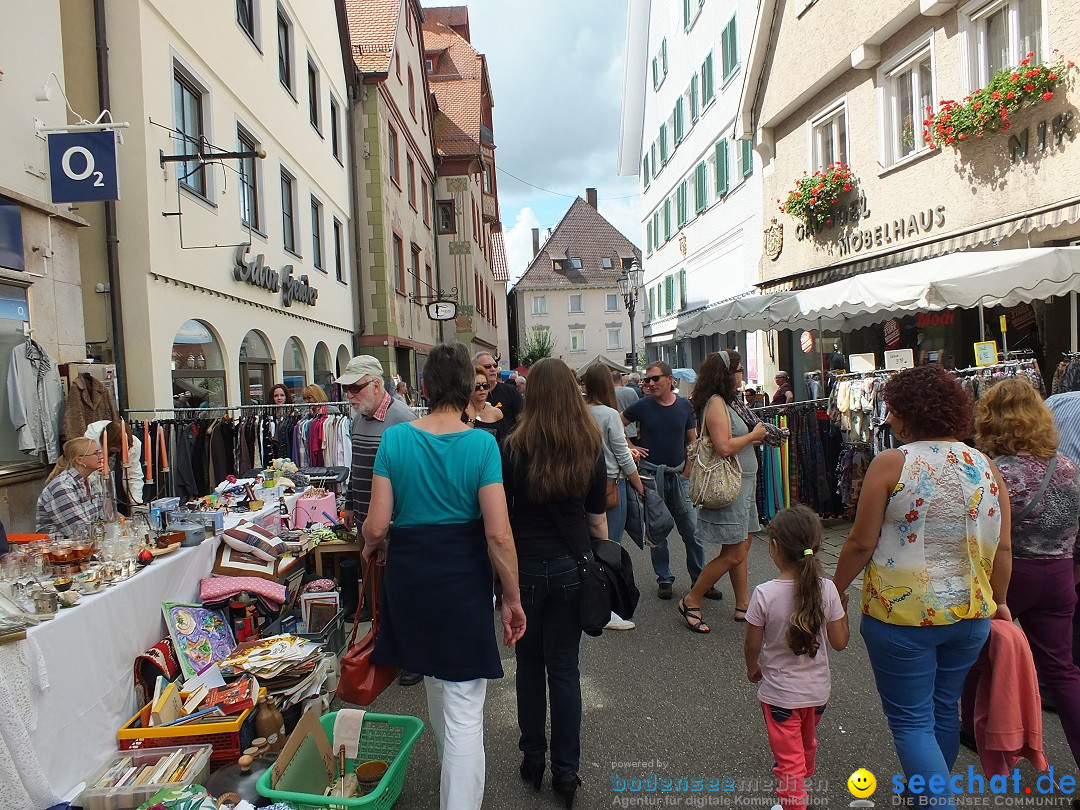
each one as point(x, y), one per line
point(112, 250)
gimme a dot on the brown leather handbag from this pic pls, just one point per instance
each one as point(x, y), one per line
point(362, 680)
point(613, 492)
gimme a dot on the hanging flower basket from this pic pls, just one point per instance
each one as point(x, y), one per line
point(987, 110)
point(814, 195)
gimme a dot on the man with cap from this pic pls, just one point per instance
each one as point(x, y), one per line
point(374, 410)
point(784, 392)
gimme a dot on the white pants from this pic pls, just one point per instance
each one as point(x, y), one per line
point(456, 709)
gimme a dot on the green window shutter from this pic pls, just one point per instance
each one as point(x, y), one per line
point(645, 169)
point(694, 98)
point(677, 117)
point(701, 196)
point(686, 14)
point(682, 289)
point(680, 197)
point(730, 44)
point(667, 219)
point(669, 295)
point(648, 236)
point(663, 143)
point(652, 303)
point(721, 168)
point(652, 157)
point(655, 73)
point(707, 88)
point(663, 55)
point(747, 158)
point(656, 228)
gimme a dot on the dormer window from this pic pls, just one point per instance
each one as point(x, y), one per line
point(429, 65)
point(607, 262)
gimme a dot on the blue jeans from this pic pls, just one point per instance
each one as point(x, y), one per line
point(675, 489)
point(616, 518)
point(920, 674)
point(550, 592)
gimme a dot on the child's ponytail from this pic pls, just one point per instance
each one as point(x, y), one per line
point(797, 532)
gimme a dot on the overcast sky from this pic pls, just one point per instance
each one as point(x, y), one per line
point(556, 74)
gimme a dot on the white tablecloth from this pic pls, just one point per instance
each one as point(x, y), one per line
point(86, 691)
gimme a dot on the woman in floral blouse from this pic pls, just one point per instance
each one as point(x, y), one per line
point(1014, 427)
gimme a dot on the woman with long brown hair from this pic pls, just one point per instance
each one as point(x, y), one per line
point(73, 495)
point(556, 486)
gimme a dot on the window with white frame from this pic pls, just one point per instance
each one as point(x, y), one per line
point(188, 104)
point(284, 39)
point(577, 303)
point(245, 16)
point(335, 128)
point(288, 211)
point(999, 34)
point(314, 101)
point(539, 305)
point(250, 209)
point(339, 250)
point(908, 91)
point(611, 302)
point(614, 338)
point(828, 136)
point(317, 234)
point(577, 340)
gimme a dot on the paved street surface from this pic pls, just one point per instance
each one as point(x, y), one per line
point(661, 699)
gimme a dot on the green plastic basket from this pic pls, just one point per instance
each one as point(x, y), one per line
point(387, 737)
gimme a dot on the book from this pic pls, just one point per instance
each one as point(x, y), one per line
point(195, 698)
point(168, 706)
point(233, 699)
point(164, 766)
point(206, 715)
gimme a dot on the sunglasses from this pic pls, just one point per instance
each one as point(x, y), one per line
point(356, 389)
point(482, 386)
point(489, 365)
point(655, 378)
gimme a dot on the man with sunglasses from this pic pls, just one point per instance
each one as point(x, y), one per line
point(666, 426)
point(505, 397)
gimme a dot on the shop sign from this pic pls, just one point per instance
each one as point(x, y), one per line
point(82, 166)
point(858, 239)
point(258, 274)
point(862, 362)
point(899, 359)
point(986, 353)
point(927, 320)
point(1056, 129)
point(892, 333)
point(806, 342)
point(1022, 316)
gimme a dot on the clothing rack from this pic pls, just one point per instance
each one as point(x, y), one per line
point(878, 372)
point(992, 366)
point(218, 408)
point(805, 403)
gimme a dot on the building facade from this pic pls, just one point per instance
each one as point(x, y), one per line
point(235, 272)
point(860, 98)
point(466, 193)
point(570, 292)
point(40, 285)
point(391, 120)
point(701, 186)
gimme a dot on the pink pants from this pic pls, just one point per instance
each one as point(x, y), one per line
point(793, 740)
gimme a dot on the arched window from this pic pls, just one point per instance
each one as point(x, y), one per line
point(324, 371)
point(295, 367)
point(256, 368)
point(198, 369)
point(412, 94)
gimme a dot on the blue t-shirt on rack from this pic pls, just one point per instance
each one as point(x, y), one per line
point(437, 478)
point(662, 429)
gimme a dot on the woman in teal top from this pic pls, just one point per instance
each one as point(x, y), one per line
point(440, 483)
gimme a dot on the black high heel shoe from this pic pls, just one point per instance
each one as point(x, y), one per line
point(565, 787)
point(532, 771)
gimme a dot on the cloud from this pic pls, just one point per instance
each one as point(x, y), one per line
point(624, 214)
point(518, 241)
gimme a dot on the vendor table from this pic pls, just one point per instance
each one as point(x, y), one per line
point(332, 547)
point(68, 687)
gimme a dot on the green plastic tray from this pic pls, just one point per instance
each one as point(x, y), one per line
point(388, 737)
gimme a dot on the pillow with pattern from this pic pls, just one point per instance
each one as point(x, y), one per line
point(254, 540)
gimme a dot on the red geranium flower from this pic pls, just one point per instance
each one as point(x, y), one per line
point(995, 95)
point(1029, 87)
point(847, 186)
point(1047, 95)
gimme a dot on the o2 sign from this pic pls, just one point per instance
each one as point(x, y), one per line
point(82, 166)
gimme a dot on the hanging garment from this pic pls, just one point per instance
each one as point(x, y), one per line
point(35, 400)
point(88, 401)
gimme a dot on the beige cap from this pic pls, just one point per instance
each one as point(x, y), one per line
point(359, 367)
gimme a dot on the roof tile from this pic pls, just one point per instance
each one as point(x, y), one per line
point(499, 268)
point(373, 28)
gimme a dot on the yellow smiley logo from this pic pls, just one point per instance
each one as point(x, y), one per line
point(861, 783)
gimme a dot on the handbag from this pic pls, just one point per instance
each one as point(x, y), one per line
point(715, 480)
point(613, 492)
point(594, 604)
point(362, 680)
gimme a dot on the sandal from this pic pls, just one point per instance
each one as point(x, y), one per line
point(692, 616)
point(740, 614)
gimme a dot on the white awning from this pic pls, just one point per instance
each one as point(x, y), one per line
point(987, 278)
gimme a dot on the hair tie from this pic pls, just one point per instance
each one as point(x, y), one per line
point(808, 552)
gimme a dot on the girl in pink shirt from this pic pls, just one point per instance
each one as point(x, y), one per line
point(787, 624)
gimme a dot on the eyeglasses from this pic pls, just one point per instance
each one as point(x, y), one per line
point(489, 365)
point(96, 453)
point(356, 389)
point(482, 386)
point(655, 378)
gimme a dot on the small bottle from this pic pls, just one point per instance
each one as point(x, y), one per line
point(266, 725)
point(276, 740)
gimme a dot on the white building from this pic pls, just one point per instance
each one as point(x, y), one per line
point(701, 186)
point(235, 273)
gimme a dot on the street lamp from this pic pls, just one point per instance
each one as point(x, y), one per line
point(630, 282)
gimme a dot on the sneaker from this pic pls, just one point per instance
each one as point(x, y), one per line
point(712, 593)
point(665, 591)
point(619, 623)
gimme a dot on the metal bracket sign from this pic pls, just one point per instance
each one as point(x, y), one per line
point(82, 166)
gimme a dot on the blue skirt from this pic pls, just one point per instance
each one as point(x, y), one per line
point(436, 607)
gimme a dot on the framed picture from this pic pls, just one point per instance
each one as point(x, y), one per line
point(200, 636)
point(320, 614)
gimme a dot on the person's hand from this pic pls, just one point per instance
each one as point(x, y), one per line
point(1003, 613)
point(371, 549)
point(844, 599)
point(513, 619)
point(753, 674)
point(638, 453)
point(348, 517)
point(758, 433)
point(639, 487)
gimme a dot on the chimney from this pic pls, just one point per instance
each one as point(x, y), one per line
point(536, 242)
point(590, 197)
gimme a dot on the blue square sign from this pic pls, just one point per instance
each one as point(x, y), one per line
point(82, 166)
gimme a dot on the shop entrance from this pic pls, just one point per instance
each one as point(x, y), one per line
point(256, 368)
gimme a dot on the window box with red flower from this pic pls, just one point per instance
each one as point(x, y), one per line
point(987, 110)
point(814, 195)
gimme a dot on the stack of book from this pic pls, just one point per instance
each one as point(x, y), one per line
point(200, 702)
point(171, 767)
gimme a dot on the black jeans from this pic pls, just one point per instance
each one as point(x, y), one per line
point(550, 592)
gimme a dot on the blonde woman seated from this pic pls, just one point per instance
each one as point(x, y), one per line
point(73, 496)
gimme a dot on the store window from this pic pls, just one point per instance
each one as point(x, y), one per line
point(324, 371)
point(909, 91)
point(1000, 33)
point(256, 369)
point(295, 367)
point(198, 367)
point(14, 315)
point(829, 135)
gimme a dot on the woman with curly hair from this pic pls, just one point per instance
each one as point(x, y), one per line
point(932, 530)
point(1015, 428)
